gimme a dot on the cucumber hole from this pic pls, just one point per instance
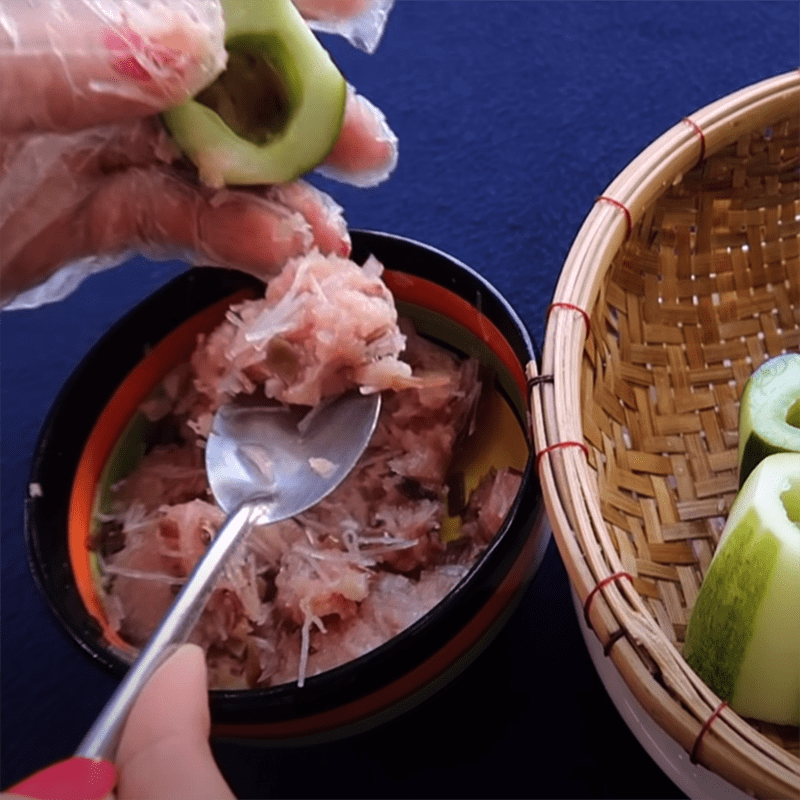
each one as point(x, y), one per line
point(790, 497)
point(793, 415)
point(258, 91)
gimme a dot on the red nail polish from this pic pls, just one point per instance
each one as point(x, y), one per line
point(73, 779)
point(131, 68)
point(124, 50)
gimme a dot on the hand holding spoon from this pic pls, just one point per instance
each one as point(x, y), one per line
point(264, 465)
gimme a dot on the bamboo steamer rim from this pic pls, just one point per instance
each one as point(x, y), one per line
point(646, 658)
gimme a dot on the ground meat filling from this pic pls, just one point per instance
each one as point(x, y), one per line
point(310, 593)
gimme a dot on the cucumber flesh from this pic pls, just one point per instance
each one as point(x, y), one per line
point(277, 109)
point(743, 637)
point(769, 413)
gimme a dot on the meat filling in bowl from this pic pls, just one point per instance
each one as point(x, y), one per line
point(313, 592)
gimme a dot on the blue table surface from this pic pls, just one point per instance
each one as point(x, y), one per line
point(512, 118)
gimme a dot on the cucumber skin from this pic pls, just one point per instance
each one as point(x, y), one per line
point(743, 634)
point(725, 611)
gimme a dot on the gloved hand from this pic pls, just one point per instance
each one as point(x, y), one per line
point(88, 174)
point(163, 751)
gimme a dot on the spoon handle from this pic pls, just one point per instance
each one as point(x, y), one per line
point(174, 629)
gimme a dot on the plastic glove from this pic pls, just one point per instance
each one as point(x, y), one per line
point(74, 63)
point(163, 751)
point(88, 175)
point(361, 22)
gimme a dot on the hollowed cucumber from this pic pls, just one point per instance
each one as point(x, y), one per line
point(277, 109)
point(769, 413)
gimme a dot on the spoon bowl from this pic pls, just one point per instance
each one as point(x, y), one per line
point(288, 458)
point(264, 464)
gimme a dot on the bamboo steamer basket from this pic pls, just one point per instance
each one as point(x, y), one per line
point(684, 278)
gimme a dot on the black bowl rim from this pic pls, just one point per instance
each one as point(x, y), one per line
point(370, 672)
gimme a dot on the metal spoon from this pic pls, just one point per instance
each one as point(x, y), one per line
point(262, 468)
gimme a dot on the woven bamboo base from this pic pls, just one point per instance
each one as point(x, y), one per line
point(684, 278)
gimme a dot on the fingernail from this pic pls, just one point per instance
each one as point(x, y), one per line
point(73, 779)
point(385, 133)
point(379, 171)
point(122, 49)
point(131, 53)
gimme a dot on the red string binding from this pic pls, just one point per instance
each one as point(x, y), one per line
point(612, 640)
point(699, 131)
point(590, 597)
point(628, 217)
point(585, 314)
point(558, 446)
point(706, 725)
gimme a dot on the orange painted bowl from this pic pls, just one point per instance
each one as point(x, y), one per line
point(95, 431)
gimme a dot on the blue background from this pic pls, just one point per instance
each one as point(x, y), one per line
point(512, 118)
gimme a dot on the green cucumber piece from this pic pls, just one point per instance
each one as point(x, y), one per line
point(769, 412)
point(277, 109)
point(743, 637)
